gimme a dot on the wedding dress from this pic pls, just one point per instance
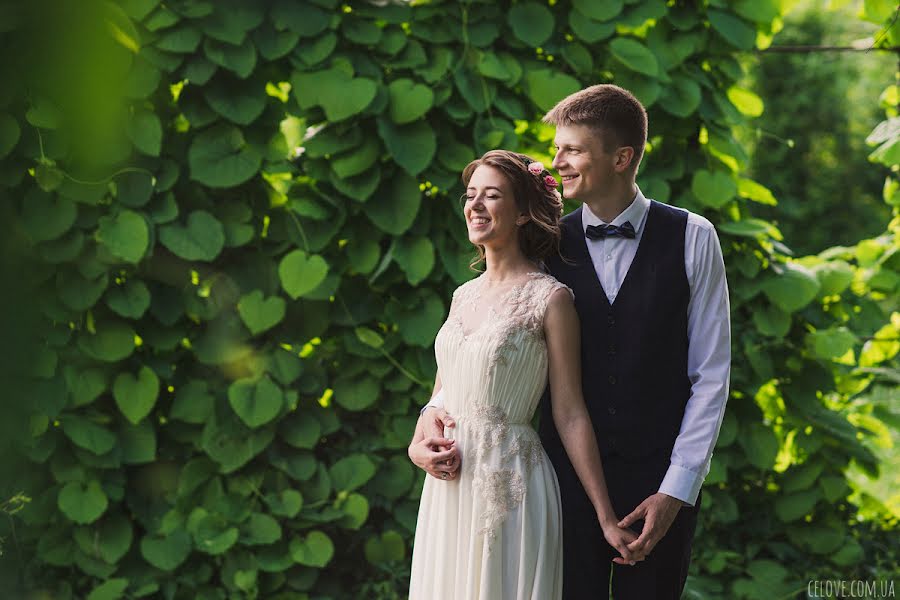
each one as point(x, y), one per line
point(495, 531)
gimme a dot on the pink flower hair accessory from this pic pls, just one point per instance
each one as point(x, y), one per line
point(535, 168)
point(550, 182)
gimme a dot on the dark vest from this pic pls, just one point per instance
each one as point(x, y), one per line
point(633, 352)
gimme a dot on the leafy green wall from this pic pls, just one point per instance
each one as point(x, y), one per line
point(237, 227)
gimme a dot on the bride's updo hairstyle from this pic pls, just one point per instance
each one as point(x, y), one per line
point(534, 191)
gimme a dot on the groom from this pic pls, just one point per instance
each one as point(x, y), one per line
point(651, 294)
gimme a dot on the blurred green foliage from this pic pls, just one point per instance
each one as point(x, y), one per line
point(244, 233)
point(809, 144)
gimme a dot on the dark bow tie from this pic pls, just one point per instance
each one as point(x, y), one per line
point(599, 232)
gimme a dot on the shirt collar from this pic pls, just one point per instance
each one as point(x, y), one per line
point(635, 213)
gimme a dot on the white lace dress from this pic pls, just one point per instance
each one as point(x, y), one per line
point(493, 533)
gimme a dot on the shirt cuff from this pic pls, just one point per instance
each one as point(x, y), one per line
point(437, 401)
point(682, 484)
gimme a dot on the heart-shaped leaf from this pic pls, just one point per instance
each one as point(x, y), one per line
point(681, 97)
point(409, 100)
point(713, 188)
point(193, 403)
point(82, 503)
point(259, 313)
point(351, 472)
point(531, 22)
point(145, 132)
point(136, 396)
point(792, 289)
point(130, 300)
point(356, 393)
point(84, 384)
point(125, 235)
point(256, 402)
point(315, 550)
point(114, 537)
point(416, 257)
point(634, 55)
point(286, 503)
point(221, 157)
point(546, 87)
point(413, 146)
point(260, 529)
point(239, 104)
point(300, 273)
point(166, 552)
point(337, 91)
point(88, 435)
point(396, 209)
point(112, 342)
point(389, 547)
point(202, 238)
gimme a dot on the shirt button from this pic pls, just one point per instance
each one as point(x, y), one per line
point(608, 256)
point(611, 410)
point(612, 379)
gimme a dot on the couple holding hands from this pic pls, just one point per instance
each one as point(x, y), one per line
point(614, 320)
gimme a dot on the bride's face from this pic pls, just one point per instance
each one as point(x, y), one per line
point(490, 208)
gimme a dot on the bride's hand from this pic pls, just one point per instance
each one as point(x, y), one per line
point(438, 457)
point(619, 538)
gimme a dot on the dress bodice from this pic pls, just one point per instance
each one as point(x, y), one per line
point(493, 376)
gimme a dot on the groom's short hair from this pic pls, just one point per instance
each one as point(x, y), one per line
point(612, 110)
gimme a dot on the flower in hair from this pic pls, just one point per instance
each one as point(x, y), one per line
point(535, 168)
point(550, 182)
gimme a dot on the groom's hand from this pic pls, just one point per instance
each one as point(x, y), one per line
point(433, 421)
point(658, 511)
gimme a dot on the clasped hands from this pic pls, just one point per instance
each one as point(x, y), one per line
point(439, 457)
point(657, 511)
point(435, 454)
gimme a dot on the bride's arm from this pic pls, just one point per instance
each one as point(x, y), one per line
point(563, 334)
point(429, 450)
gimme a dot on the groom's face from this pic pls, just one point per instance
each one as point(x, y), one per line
point(586, 169)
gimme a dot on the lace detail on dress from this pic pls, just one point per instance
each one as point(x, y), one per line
point(501, 482)
point(501, 489)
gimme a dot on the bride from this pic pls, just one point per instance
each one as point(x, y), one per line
point(490, 523)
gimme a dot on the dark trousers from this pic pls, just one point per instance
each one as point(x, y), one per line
point(587, 558)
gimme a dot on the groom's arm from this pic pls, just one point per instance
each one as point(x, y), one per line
point(709, 364)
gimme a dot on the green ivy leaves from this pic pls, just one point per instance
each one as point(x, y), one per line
point(256, 402)
point(300, 273)
point(202, 237)
point(260, 297)
point(337, 91)
point(82, 503)
point(260, 314)
point(220, 157)
point(136, 396)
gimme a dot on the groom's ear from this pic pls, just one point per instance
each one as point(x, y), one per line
point(624, 158)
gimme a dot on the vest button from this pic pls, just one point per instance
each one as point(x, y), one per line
point(612, 379)
point(611, 410)
point(612, 350)
point(611, 320)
